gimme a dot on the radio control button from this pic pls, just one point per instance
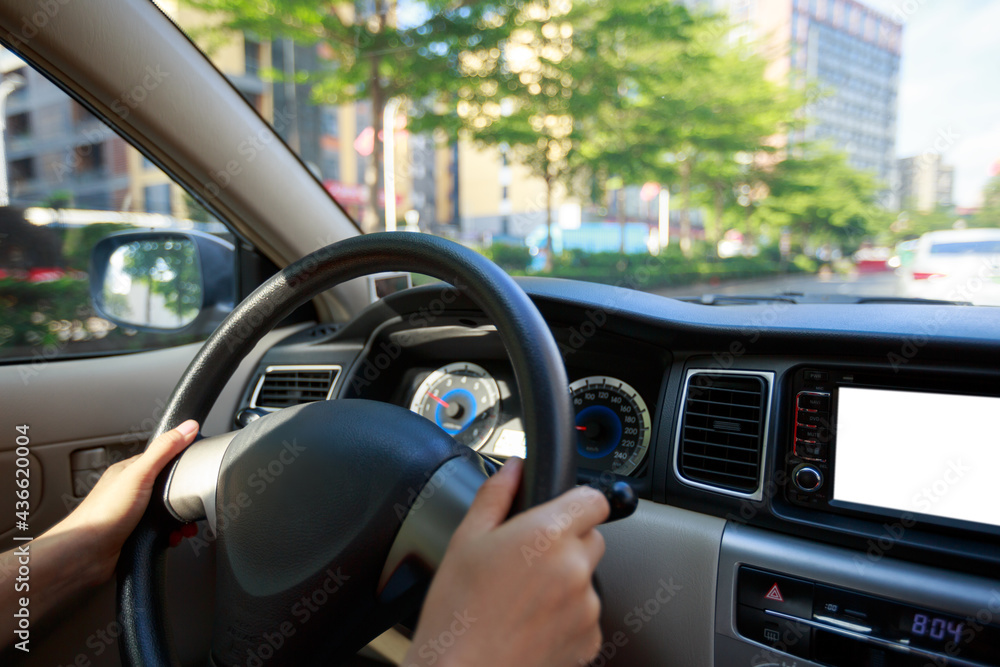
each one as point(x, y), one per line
point(813, 434)
point(810, 401)
point(814, 451)
point(807, 478)
point(814, 419)
point(816, 376)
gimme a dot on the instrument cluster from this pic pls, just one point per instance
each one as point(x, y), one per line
point(613, 422)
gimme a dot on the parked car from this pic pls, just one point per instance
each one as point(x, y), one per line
point(954, 265)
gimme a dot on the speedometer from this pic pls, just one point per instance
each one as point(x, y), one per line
point(612, 424)
point(461, 398)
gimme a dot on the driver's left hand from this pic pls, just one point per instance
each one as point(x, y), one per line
point(81, 551)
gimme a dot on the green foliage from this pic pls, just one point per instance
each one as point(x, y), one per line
point(805, 263)
point(911, 224)
point(670, 268)
point(820, 198)
point(49, 320)
point(165, 269)
point(989, 214)
point(195, 211)
point(78, 242)
point(590, 95)
point(31, 308)
point(508, 257)
point(371, 56)
point(59, 199)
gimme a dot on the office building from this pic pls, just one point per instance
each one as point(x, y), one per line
point(847, 54)
point(925, 184)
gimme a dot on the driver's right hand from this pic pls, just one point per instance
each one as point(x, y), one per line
point(517, 592)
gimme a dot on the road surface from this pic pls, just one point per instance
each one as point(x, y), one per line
point(870, 284)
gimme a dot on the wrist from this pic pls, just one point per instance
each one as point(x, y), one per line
point(79, 555)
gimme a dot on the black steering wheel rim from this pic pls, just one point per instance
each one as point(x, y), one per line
point(535, 358)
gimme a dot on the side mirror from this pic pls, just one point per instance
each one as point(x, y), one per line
point(163, 281)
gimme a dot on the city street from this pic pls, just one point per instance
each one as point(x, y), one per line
point(870, 284)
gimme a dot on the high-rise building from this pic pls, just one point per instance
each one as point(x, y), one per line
point(844, 51)
point(56, 151)
point(59, 154)
point(925, 183)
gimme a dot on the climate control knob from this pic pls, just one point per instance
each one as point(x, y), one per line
point(807, 478)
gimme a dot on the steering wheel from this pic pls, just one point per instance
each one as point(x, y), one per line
point(316, 506)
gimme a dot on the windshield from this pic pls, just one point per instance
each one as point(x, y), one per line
point(688, 148)
point(973, 247)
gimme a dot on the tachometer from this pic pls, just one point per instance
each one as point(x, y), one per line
point(461, 398)
point(612, 424)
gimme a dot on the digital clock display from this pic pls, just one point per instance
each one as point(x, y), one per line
point(975, 637)
point(935, 628)
point(944, 634)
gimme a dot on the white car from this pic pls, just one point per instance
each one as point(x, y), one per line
point(955, 265)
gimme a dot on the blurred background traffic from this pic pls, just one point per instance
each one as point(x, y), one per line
point(699, 149)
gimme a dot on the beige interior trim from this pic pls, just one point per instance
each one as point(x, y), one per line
point(190, 119)
point(123, 399)
point(661, 565)
point(390, 646)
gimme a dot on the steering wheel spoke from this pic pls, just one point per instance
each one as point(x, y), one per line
point(192, 483)
point(435, 514)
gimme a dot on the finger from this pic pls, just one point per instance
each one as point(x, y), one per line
point(593, 546)
point(584, 506)
point(118, 466)
point(493, 501)
point(163, 449)
point(591, 638)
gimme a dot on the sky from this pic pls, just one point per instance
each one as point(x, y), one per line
point(949, 87)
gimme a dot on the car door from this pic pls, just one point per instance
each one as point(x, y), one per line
point(79, 391)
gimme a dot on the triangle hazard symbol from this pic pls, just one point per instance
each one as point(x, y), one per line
point(774, 593)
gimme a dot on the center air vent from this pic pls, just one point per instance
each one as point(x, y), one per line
point(285, 386)
point(723, 427)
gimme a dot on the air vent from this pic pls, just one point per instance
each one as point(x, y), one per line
point(285, 386)
point(723, 430)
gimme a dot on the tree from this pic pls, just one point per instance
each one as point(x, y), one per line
point(166, 269)
point(911, 224)
point(632, 56)
point(819, 197)
point(576, 93)
point(374, 56)
point(989, 214)
point(730, 109)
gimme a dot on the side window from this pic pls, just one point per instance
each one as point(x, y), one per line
point(68, 182)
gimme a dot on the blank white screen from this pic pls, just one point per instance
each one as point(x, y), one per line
point(918, 452)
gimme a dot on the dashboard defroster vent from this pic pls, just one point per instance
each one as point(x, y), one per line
point(723, 428)
point(285, 386)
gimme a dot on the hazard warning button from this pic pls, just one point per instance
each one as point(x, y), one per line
point(768, 590)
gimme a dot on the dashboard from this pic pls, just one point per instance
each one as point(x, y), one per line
point(458, 377)
point(818, 480)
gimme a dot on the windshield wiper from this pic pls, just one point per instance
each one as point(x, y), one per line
point(801, 298)
point(730, 299)
point(911, 299)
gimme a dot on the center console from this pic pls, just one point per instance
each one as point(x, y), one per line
point(910, 448)
point(786, 601)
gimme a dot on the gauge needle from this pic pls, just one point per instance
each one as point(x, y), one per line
point(440, 401)
point(581, 428)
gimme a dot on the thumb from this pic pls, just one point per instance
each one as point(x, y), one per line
point(493, 501)
point(161, 450)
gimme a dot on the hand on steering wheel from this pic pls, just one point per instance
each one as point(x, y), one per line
point(516, 592)
point(361, 462)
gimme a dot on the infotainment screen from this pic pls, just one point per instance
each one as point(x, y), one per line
point(918, 452)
